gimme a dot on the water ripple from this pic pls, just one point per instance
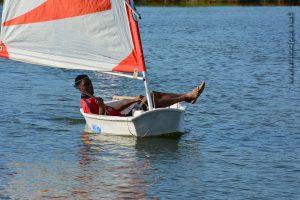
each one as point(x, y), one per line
point(241, 139)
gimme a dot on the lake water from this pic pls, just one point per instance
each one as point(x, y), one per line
point(242, 138)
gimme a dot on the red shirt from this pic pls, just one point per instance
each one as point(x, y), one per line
point(89, 105)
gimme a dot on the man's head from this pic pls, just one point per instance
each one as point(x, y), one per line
point(84, 84)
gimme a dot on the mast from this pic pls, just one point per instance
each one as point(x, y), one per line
point(139, 50)
point(149, 99)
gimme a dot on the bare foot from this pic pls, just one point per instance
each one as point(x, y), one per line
point(197, 92)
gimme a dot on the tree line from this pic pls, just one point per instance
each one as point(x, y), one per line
point(213, 2)
point(216, 2)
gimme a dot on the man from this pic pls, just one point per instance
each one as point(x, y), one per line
point(95, 105)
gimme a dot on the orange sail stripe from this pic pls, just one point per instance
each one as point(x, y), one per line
point(128, 64)
point(54, 10)
point(3, 51)
point(136, 41)
point(136, 58)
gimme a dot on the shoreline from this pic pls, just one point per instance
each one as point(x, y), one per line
point(206, 3)
point(212, 3)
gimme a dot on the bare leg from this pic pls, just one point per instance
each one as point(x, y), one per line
point(165, 102)
point(163, 95)
point(167, 99)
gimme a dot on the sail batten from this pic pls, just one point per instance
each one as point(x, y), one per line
point(98, 35)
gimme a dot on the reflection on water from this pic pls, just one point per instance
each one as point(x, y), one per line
point(4, 178)
point(243, 139)
point(108, 167)
point(131, 168)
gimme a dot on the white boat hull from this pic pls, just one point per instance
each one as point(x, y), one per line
point(151, 123)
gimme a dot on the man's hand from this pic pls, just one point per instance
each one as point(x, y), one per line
point(138, 98)
point(99, 101)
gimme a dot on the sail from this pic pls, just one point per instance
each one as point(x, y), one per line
point(98, 35)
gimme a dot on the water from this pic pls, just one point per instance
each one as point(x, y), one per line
point(242, 138)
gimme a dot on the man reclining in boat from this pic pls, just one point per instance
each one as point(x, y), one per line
point(95, 105)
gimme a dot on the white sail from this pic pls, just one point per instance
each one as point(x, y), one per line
point(98, 35)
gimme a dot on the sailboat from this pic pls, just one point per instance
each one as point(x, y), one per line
point(97, 35)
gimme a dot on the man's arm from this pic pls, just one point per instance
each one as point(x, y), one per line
point(101, 105)
point(126, 103)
